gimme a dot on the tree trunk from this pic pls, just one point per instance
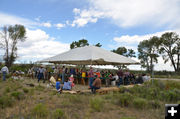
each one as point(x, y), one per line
point(172, 61)
point(178, 63)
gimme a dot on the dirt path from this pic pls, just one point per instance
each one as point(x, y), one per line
point(170, 79)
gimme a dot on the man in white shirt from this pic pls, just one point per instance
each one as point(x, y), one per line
point(4, 71)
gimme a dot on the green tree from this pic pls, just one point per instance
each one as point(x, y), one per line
point(10, 36)
point(148, 53)
point(169, 48)
point(125, 52)
point(98, 45)
point(80, 43)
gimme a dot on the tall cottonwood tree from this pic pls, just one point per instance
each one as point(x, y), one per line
point(9, 38)
point(169, 48)
point(148, 54)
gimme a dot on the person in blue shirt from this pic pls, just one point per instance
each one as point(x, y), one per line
point(67, 85)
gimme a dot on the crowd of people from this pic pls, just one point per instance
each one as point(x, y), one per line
point(92, 77)
point(65, 78)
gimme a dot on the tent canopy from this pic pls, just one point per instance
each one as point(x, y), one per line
point(89, 55)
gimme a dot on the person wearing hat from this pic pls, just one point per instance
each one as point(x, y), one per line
point(58, 85)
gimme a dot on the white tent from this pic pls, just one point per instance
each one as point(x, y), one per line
point(89, 55)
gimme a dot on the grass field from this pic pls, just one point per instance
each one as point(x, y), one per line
point(19, 101)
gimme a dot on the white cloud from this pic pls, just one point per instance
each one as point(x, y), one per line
point(76, 10)
point(59, 25)
point(7, 19)
point(83, 17)
point(135, 39)
point(46, 24)
point(39, 45)
point(128, 13)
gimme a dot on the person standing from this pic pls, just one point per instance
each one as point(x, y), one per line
point(4, 71)
point(91, 77)
point(41, 74)
point(63, 73)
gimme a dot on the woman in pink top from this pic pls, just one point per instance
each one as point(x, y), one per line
point(71, 79)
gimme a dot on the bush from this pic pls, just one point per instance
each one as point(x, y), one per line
point(25, 90)
point(7, 90)
point(97, 104)
point(6, 101)
point(75, 99)
point(39, 88)
point(154, 104)
point(172, 95)
point(40, 111)
point(140, 103)
point(18, 95)
point(123, 99)
point(58, 114)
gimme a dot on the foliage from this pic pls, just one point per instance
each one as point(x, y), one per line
point(148, 53)
point(80, 43)
point(6, 101)
point(7, 90)
point(40, 111)
point(10, 36)
point(169, 47)
point(40, 88)
point(125, 52)
point(58, 114)
point(124, 99)
point(98, 45)
point(97, 104)
point(140, 103)
point(17, 95)
point(25, 90)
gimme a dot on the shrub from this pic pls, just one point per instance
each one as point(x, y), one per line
point(31, 91)
point(18, 95)
point(40, 111)
point(172, 95)
point(58, 114)
point(124, 99)
point(97, 104)
point(6, 101)
point(154, 104)
point(122, 89)
point(140, 103)
point(25, 90)
point(39, 88)
point(7, 90)
point(75, 99)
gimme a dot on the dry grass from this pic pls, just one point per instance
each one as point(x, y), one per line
point(70, 106)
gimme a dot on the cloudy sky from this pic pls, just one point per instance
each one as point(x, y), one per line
point(53, 24)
